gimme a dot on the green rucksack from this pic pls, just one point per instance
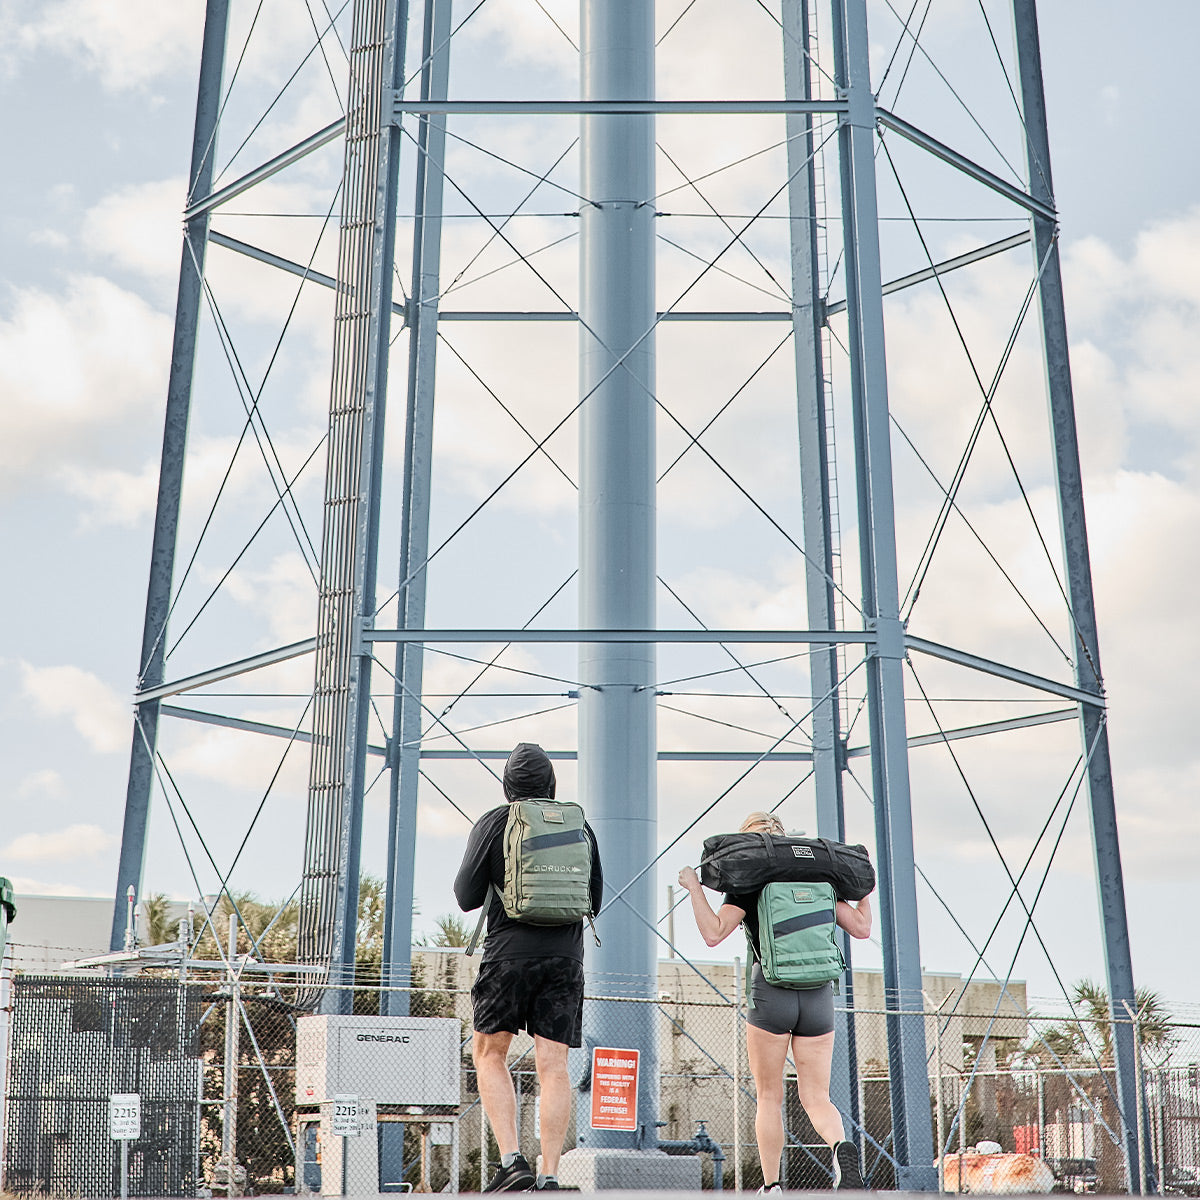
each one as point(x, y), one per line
point(547, 866)
point(547, 863)
point(797, 935)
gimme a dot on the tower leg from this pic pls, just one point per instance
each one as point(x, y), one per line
point(414, 543)
point(815, 494)
point(170, 474)
point(1109, 876)
point(912, 1131)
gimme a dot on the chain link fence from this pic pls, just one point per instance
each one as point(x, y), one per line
point(243, 1093)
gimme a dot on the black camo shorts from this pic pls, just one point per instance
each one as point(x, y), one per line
point(541, 995)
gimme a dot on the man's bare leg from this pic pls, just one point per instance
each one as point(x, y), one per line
point(496, 1092)
point(555, 1109)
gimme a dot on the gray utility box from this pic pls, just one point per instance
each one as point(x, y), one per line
point(391, 1060)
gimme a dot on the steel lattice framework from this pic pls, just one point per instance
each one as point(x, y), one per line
point(838, 134)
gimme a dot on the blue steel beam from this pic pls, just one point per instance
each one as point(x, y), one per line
point(771, 756)
point(616, 711)
point(280, 162)
point(906, 281)
point(816, 467)
point(188, 300)
point(912, 1132)
point(1073, 526)
point(611, 106)
point(408, 712)
point(961, 163)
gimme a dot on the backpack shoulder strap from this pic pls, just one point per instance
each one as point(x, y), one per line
point(483, 912)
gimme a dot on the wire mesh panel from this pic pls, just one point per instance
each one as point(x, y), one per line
point(74, 1043)
point(1021, 1106)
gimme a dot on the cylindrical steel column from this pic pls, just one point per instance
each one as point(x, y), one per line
point(617, 744)
point(170, 474)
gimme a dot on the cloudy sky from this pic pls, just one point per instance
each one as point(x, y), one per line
point(98, 101)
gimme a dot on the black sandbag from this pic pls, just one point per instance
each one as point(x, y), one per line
point(744, 862)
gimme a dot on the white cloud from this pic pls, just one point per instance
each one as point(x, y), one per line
point(113, 497)
point(127, 45)
point(73, 367)
point(284, 594)
point(242, 762)
point(73, 842)
point(139, 227)
point(98, 714)
point(46, 782)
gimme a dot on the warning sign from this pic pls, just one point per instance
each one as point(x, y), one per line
point(614, 1088)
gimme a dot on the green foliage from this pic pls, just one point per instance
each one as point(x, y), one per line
point(1087, 1040)
point(160, 928)
point(268, 930)
point(451, 931)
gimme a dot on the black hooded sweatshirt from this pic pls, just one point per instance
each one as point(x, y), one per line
point(528, 774)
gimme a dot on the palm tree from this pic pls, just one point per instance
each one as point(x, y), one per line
point(1084, 1043)
point(1087, 1039)
point(156, 908)
point(451, 931)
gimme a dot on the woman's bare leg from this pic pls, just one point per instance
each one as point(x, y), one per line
point(813, 1057)
point(767, 1053)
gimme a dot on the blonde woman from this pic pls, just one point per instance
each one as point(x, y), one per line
point(779, 1019)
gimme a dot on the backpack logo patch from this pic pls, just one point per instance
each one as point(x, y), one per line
point(553, 816)
point(803, 852)
point(802, 896)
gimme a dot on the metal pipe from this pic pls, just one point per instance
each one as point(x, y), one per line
point(617, 741)
point(737, 1074)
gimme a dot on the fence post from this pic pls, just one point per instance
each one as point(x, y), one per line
point(1041, 1113)
point(941, 1102)
point(1140, 1095)
point(483, 1143)
point(737, 1075)
point(229, 1099)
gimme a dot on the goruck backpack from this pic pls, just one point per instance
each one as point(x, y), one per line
point(547, 863)
point(797, 941)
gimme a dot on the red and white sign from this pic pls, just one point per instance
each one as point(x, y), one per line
point(614, 1088)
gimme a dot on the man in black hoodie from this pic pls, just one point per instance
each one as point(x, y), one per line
point(530, 977)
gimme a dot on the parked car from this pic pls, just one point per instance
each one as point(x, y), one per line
point(1073, 1174)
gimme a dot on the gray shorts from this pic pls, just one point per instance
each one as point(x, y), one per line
point(799, 1012)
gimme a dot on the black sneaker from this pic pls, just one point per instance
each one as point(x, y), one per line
point(514, 1178)
point(847, 1174)
point(770, 1189)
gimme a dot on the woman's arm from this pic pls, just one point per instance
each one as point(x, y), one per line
point(855, 919)
point(714, 927)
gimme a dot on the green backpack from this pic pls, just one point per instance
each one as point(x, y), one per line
point(547, 863)
point(547, 866)
point(797, 935)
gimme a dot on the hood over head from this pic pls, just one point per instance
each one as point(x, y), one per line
point(528, 773)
